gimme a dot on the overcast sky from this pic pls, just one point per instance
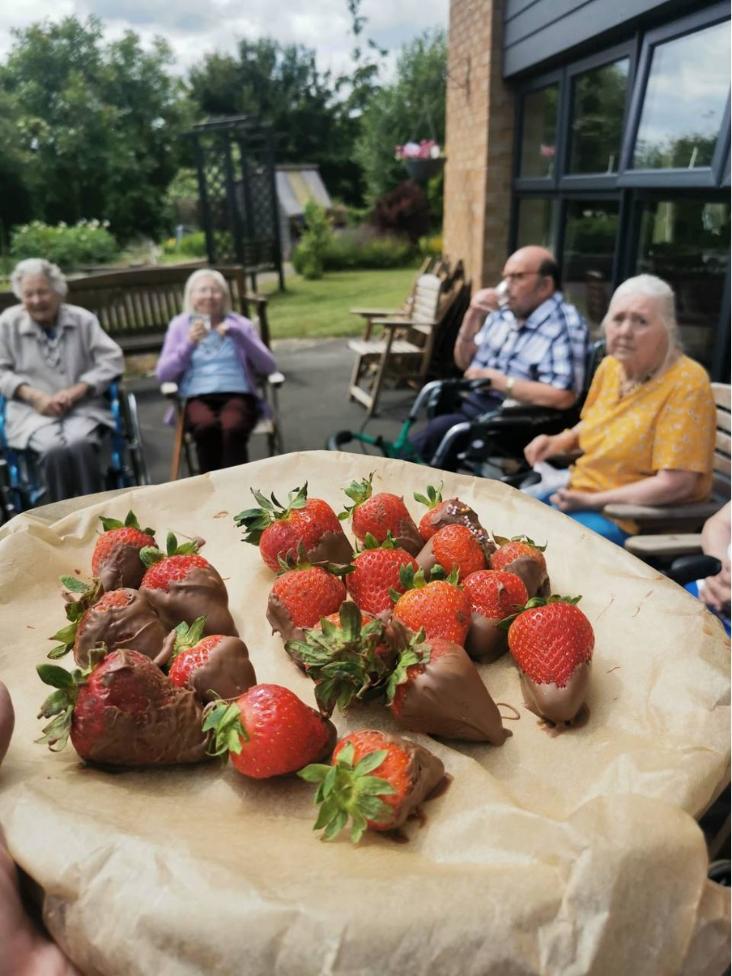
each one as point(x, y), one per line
point(195, 27)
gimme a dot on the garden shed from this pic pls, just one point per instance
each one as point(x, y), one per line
point(297, 184)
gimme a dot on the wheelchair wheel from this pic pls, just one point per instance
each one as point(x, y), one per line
point(134, 440)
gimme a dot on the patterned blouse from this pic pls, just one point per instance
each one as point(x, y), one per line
point(669, 422)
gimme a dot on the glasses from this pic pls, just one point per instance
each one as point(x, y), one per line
point(520, 275)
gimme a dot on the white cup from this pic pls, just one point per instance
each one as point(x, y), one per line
point(501, 290)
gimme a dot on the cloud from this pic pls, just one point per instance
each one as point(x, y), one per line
point(194, 29)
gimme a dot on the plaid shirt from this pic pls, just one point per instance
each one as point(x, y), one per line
point(550, 347)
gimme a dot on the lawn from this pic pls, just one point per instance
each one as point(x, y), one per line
point(321, 308)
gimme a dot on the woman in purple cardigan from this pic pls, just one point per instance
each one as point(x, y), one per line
point(213, 355)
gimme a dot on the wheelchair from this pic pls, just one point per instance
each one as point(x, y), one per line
point(21, 486)
point(492, 444)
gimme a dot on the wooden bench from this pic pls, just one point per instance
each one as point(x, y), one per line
point(135, 307)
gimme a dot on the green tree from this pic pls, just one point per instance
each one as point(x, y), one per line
point(99, 124)
point(411, 108)
point(281, 84)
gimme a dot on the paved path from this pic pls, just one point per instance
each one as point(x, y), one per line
point(313, 403)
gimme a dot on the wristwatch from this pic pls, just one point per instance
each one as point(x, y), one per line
point(510, 383)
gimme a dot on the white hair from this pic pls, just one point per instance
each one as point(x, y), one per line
point(196, 277)
point(652, 287)
point(38, 266)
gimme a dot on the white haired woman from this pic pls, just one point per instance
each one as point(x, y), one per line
point(213, 355)
point(55, 363)
point(647, 429)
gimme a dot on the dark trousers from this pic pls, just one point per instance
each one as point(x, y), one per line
point(221, 424)
point(427, 440)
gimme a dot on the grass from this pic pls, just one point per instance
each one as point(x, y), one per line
point(316, 309)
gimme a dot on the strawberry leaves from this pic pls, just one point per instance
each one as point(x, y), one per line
point(270, 510)
point(223, 719)
point(433, 497)
point(348, 792)
point(130, 522)
point(358, 492)
point(152, 554)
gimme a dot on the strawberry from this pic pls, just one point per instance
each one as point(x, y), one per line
point(268, 731)
point(376, 574)
point(380, 514)
point(122, 711)
point(216, 666)
point(345, 659)
point(300, 597)
point(118, 618)
point(450, 512)
point(439, 607)
point(453, 547)
point(524, 558)
point(552, 641)
point(182, 585)
point(404, 774)
point(115, 560)
point(305, 528)
point(493, 595)
point(435, 688)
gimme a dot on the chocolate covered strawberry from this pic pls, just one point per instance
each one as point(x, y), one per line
point(122, 711)
point(451, 511)
point(380, 514)
point(552, 641)
point(182, 585)
point(494, 596)
point(300, 597)
point(375, 574)
point(305, 528)
point(435, 688)
point(118, 618)
point(216, 666)
point(347, 658)
point(116, 556)
point(524, 558)
point(268, 731)
point(439, 607)
point(375, 780)
point(453, 547)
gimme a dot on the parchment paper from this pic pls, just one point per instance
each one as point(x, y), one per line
point(554, 855)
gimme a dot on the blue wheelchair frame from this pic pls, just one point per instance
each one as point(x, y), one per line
point(20, 482)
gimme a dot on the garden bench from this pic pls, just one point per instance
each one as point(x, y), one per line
point(135, 307)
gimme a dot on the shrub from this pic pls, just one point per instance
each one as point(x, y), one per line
point(430, 247)
point(403, 211)
point(191, 245)
point(87, 242)
point(308, 256)
point(362, 248)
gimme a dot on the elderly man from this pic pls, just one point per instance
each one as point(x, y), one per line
point(533, 349)
point(55, 363)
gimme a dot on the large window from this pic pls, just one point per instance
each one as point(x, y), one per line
point(539, 144)
point(685, 100)
point(623, 168)
point(598, 105)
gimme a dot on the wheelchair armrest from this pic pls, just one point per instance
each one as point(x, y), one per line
point(276, 379)
point(661, 513)
point(684, 569)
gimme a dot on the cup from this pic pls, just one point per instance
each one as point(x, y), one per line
point(501, 290)
point(205, 319)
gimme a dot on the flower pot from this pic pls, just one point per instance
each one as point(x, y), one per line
point(422, 170)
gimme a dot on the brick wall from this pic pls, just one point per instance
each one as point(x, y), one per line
point(479, 137)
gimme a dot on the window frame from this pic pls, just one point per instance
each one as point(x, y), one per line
point(702, 177)
point(536, 84)
point(581, 181)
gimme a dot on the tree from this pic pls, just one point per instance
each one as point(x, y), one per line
point(412, 108)
point(99, 125)
point(283, 86)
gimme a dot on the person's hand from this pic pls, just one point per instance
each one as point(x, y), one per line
point(197, 331)
point(715, 590)
point(222, 328)
point(479, 373)
point(568, 500)
point(485, 300)
point(46, 405)
point(539, 449)
point(62, 402)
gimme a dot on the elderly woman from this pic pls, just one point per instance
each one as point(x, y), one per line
point(213, 355)
point(648, 425)
point(55, 363)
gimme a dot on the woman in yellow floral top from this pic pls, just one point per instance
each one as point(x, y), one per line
point(648, 425)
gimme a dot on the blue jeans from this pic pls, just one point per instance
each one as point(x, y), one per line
point(596, 521)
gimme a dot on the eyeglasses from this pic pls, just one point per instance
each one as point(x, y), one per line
point(520, 275)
